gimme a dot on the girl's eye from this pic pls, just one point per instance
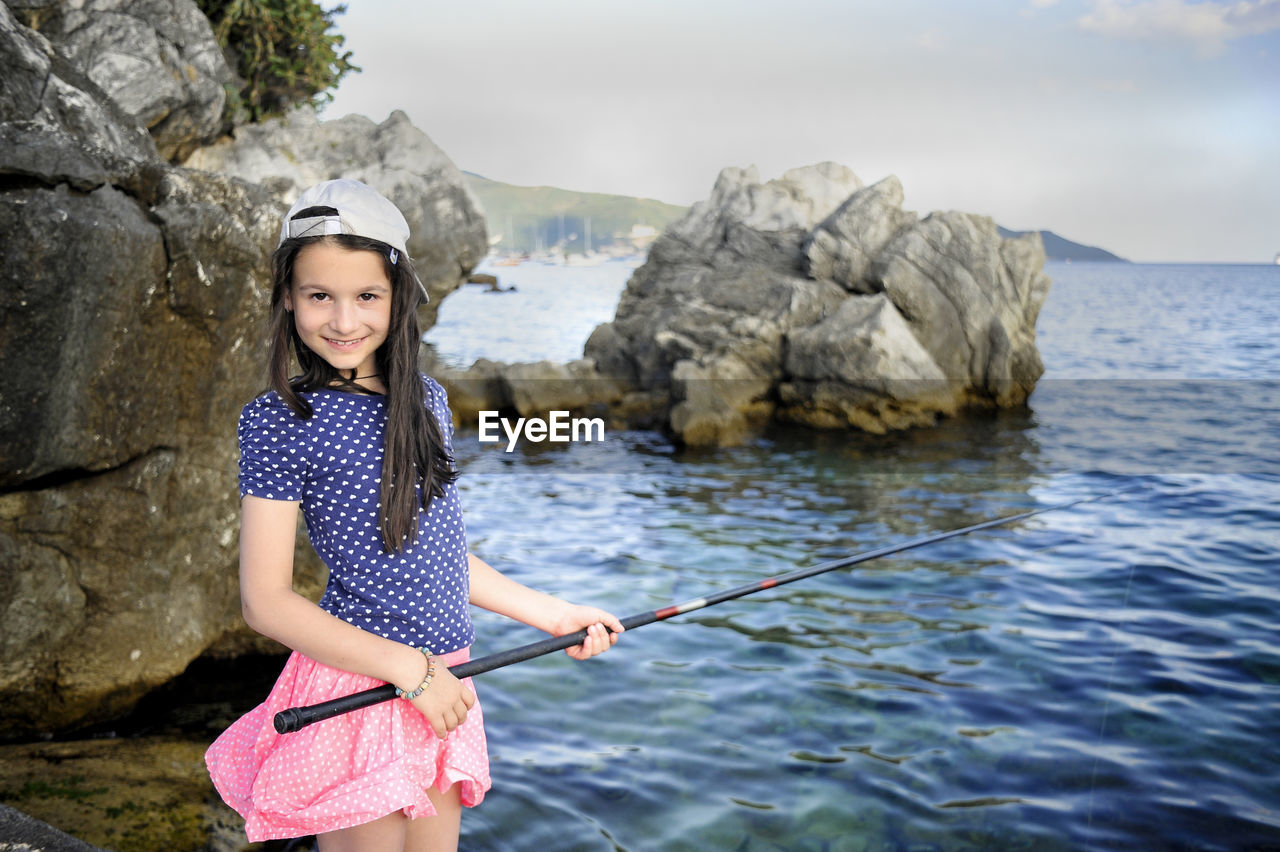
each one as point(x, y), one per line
point(368, 297)
point(318, 297)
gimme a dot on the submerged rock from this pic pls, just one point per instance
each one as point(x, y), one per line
point(814, 299)
point(527, 389)
point(119, 794)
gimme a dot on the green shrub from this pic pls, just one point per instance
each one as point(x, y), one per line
point(282, 50)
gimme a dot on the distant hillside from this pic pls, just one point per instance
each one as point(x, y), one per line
point(543, 218)
point(1058, 248)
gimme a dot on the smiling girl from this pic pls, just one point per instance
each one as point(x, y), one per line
point(360, 442)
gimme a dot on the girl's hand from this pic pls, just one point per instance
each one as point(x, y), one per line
point(595, 620)
point(445, 702)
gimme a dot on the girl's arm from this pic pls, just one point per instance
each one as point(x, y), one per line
point(274, 609)
point(498, 593)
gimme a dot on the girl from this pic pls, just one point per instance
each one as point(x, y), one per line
point(361, 441)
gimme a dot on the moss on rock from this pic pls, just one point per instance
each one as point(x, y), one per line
point(122, 794)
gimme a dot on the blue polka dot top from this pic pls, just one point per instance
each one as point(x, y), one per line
point(332, 464)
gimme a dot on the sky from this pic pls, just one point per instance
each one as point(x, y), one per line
point(1150, 128)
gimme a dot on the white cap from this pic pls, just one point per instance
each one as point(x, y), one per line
point(362, 212)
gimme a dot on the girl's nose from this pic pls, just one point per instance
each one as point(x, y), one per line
point(343, 318)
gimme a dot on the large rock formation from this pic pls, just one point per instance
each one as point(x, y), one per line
point(816, 300)
point(132, 297)
point(129, 297)
point(448, 236)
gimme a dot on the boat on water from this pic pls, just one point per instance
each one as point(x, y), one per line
point(590, 258)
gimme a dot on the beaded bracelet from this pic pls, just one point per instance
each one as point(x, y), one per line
point(426, 681)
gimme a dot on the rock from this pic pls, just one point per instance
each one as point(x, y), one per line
point(82, 383)
point(157, 60)
point(842, 247)
point(705, 318)
point(529, 390)
point(20, 831)
point(121, 794)
point(132, 299)
point(972, 299)
point(721, 400)
point(448, 236)
point(535, 389)
point(817, 300)
point(744, 218)
point(129, 366)
point(58, 126)
point(863, 367)
point(165, 294)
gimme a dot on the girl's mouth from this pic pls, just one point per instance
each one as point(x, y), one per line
point(344, 344)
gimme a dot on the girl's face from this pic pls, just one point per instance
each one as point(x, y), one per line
point(341, 303)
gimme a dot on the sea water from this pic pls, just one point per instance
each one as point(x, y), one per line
point(1102, 677)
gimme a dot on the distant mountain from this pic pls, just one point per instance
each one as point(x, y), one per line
point(543, 218)
point(1059, 248)
point(548, 219)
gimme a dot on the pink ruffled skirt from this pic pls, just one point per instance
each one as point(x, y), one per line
point(347, 770)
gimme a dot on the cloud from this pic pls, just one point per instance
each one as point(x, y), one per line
point(1208, 24)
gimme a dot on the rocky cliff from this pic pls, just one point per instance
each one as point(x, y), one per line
point(132, 296)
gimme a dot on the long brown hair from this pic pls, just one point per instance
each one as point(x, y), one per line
point(414, 451)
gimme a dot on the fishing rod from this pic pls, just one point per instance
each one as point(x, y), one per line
point(296, 718)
